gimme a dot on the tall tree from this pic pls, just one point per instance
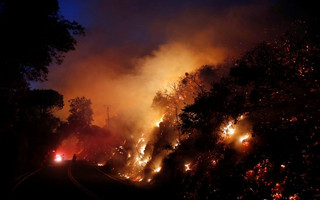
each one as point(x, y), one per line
point(80, 113)
point(47, 101)
point(33, 35)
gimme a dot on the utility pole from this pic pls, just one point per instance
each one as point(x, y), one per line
point(108, 107)
point(108, 115)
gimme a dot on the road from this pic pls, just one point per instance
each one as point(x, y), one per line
point(75, 181)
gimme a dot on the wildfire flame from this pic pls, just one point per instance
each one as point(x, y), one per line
point(141, 157)
point(243, 138)
point(187, 167)
point(158, 122)
point(176, 144)
point(233, 132)
point(229, 130)
point(157, 170)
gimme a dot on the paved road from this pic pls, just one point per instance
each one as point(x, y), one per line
point(75, 181)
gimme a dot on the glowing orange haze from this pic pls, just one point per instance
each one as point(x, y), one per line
point(127, 81)
point(127, 76)
point(131, 93)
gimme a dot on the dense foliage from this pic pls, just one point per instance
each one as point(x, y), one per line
point(276, 86)
point(33, 35)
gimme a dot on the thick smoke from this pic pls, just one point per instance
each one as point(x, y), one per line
point(132, 50)
point(112, 67)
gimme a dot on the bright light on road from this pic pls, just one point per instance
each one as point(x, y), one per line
point(58, 158)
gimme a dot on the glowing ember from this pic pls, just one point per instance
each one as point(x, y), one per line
point(149, 180)
point(187, 167)
point(214, 162)
point(294, 197)
point(157, 170)
point(277, 191)
point(245, 143)
point(127, 177)
point(58, 158)
point(260, 173)
point(282, 166)
point(277, 196)
point(124, 175)
point(138, 179)
point(100, 164)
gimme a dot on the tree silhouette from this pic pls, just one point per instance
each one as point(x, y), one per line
point(276, 85)
point(33, 35)
point(48, 101)
point(80, 113)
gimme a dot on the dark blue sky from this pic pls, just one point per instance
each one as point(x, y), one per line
point(72, 9)
point(78, 9)
point(128, 21)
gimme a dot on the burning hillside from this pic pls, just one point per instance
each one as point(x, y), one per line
point(238, 135)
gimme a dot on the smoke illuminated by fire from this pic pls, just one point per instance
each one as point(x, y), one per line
point(126, 76)
point(122, 78)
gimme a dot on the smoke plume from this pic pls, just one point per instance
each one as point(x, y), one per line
point(134, 49)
